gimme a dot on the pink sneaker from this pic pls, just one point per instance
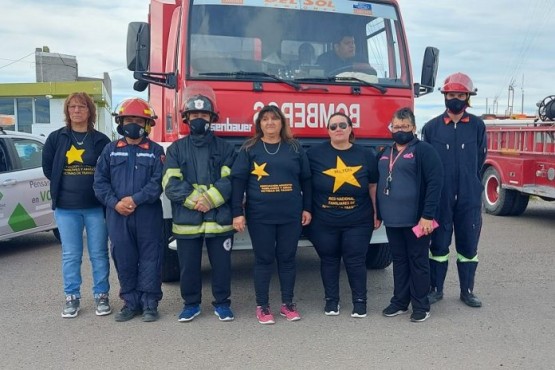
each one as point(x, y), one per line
point(289, 311)
point(264, 315)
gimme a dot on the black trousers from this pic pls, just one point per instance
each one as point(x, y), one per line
point(348, 242)
point(272, 242)
point(411, 268)
point(189, 252)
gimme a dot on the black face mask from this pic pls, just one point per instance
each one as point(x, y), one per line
point(402, 137)
point(455, 105)
point(199, 126)
point(132, 130)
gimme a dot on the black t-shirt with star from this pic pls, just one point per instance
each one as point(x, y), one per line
point(340, 181)
point(274, 174)
point(76, 186)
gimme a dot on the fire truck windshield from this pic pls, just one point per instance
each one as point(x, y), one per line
point(298, 40)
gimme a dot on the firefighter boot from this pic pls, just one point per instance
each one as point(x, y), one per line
point(467, 271)
point(438, 271)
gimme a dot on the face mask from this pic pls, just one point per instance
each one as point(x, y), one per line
point(455, 105)
point(132, 130)
point(402, 137)
point(199, 126)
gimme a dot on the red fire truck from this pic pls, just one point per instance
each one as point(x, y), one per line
point(520, 160)
point(257, 52)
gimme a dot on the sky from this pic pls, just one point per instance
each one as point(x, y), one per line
point(496, 42)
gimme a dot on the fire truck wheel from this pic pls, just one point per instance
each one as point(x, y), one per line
point(378, 256)
point(170, 261)
point(519, 204)
point(497, 201)
point(57, 234)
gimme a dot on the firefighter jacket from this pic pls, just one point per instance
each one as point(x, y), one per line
point(462, 147)
point(129, 170)
point(199, 167)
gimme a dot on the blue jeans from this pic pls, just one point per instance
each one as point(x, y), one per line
point(71, 223)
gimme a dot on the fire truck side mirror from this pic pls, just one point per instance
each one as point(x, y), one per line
point(138, 46)
point(429, 72)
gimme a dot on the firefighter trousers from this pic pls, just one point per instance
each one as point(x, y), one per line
point(137, 251)
point(467, 225)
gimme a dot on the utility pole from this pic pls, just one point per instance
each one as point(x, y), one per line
point(522, 93)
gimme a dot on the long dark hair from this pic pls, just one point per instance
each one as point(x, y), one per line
point(285, 132)
point(349, 122)
point(83, 98)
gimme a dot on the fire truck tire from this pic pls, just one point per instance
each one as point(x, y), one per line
point(170, 261)
point(378, 256)
point(519, 204)
point(57, 234)
point(497, 201)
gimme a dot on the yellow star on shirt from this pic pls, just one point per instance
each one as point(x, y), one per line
point(259, 170)
point(343, 174)
point(74, 155)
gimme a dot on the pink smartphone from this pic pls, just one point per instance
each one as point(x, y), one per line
point(418, 231)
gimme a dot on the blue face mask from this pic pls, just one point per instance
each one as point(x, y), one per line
point(199, 126)
point(455, 105)
point(133, 131)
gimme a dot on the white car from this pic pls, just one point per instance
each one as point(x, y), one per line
point(25, 201)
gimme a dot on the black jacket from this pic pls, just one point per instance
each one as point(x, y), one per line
point(429, 179)
point(54, 156)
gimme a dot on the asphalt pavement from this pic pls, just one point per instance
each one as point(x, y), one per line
point(515, 328)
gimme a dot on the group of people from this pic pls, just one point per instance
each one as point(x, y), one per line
point(338, 191)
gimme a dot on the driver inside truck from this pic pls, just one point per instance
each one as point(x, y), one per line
point(342, 57)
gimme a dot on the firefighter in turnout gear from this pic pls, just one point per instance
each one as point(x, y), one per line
point(128, 181)
point(460, 139)
point(196, 181)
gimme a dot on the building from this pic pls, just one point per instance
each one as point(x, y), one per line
point(38, 107)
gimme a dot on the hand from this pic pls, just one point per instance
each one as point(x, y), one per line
point(306, 218)
point(377, 223)
point(426, 226)
point(123, 208)
point(203, 204)
point(239, 223)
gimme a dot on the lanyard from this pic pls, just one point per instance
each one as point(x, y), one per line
point(391, 163)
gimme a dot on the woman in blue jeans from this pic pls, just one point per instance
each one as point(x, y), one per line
point(69, 161)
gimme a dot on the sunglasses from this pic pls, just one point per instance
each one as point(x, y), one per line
point(341, 125)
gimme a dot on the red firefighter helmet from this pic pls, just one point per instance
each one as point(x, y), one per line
point(458, 82)
point(135, 107)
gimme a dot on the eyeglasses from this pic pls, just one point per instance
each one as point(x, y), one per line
point(400, 128)
point(75, 107)
point(341, 125)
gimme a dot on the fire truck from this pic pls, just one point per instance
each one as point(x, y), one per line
point(252, 53)
point(520, 161)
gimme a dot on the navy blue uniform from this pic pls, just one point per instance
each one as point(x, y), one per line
point(462, 149)
point(343, 215)
point(413, 193)
point(136, 240)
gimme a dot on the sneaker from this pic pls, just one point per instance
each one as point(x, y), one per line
point(126, 314)
point(289, 311)
point(224, 313)
point(392, 311)
point(102, 304)
point(189, 313)
point(359, 309)
point(71, 307)
point(264, 315)
point(332, 308)
point(150, 315)
point(419, 316)
point(470, 299)
point(435, 296)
